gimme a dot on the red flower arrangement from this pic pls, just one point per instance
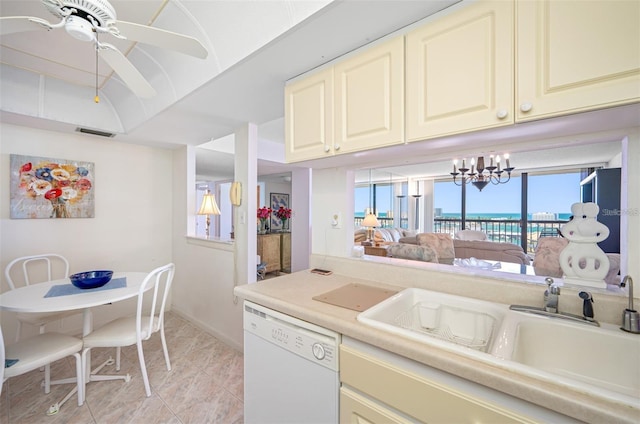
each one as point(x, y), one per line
point(283, 213)
point(264, 213)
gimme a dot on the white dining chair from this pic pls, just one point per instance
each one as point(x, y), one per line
point(32, 269)
point(127, 331)
point(43, 349)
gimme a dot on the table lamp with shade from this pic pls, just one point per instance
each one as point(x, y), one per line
point(370, 221)
point(208, 207)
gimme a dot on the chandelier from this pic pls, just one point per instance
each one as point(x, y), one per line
point(479, 175)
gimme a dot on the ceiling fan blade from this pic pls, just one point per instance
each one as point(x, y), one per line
point(162, 38)
point(13, 24)
point(125, 70)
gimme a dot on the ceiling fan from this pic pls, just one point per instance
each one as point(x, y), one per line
point(86, 19)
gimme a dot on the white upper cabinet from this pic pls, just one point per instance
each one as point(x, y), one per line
point(574, 56)
point(485, 64)
point(460, 72)
point(356, 104)
point(369, 98)
point(309, 117)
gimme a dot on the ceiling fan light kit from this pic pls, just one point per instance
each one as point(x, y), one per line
point(100, 10)
point(84, 19)
point(79, 29)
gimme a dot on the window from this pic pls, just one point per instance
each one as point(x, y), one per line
point(497, 209)
point(388, 200)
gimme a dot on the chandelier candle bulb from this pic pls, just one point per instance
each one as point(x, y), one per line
point(479, 175)
point(491, 160)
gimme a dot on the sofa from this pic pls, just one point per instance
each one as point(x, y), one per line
point(491, 251)
point(412, 252)
point(448, 248)
point(386, 235)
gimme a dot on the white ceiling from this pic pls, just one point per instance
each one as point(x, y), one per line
point(254, 48)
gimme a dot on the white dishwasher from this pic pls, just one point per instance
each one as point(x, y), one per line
point(290, 369)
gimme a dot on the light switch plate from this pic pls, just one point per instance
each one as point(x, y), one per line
point(336, 220)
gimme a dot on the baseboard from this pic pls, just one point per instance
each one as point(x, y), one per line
point(204, 327)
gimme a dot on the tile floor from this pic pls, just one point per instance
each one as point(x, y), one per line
point(205, 385)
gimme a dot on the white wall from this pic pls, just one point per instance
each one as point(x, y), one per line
point(301, 218)
point(206, 270)
point(145, 208)
point(131, 230)
point(332, 192)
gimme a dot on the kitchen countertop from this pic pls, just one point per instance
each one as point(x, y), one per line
point(292, 295)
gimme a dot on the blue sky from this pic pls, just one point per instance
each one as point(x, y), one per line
point(547, 193)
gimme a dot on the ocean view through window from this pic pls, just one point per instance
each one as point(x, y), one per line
point(497, 210)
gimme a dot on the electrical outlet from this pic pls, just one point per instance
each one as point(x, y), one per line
point(336, 220)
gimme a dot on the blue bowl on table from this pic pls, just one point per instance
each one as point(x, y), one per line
point(91, 279)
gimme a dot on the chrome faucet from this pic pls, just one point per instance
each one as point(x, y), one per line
point(551, 296)
point(550, 306)
point(630, 317)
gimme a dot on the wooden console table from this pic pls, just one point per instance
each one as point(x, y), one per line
point(269, 251)
point(375, 250)
point(275, 251)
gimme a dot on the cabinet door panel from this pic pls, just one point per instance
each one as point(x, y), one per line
point(309, 117)
point(575, 56)
point(415, 396)
point(269, 251)
point(285, 252)
point(369, 98)
point(357, 409)
point(460, 72)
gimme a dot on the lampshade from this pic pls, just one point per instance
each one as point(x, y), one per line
point(209, 205)
point(370, 221)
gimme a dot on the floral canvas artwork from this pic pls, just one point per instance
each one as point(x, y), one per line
point(51, 188)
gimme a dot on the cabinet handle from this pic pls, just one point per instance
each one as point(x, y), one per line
point(502, 114)
point(526, 107)
point(327, 149)
point(336, 147)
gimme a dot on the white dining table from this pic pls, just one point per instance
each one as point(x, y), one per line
point(31, 299)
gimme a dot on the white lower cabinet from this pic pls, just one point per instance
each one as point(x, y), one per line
point(380, 387)
point(357, 408)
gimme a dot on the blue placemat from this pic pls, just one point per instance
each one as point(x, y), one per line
point(68, 289)
point(9, 362)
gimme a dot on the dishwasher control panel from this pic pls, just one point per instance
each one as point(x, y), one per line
point(307, 340)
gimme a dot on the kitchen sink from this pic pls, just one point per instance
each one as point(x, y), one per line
point(601, 360)
point(438, 318)
point(604, 357)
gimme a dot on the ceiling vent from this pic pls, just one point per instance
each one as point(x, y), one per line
point(95, 132)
